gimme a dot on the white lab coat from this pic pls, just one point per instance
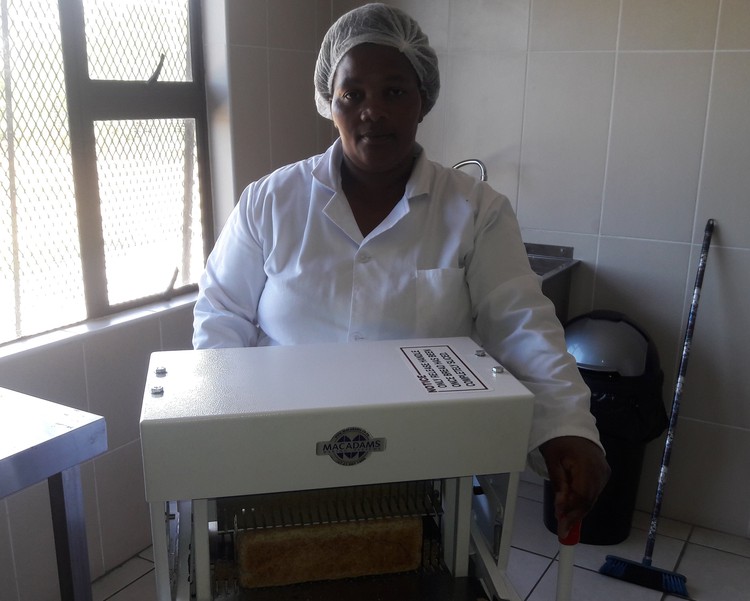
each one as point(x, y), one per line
point(292, 267)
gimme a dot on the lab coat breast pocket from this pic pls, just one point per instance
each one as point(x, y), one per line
point(443, 303)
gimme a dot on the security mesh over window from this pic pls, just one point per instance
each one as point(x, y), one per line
point(41, 286)
point(100, 183)
point(126, 39)
point(148, 190)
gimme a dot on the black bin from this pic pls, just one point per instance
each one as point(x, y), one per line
point(620, 364)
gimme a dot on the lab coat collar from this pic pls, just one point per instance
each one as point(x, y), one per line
point(327, 168)
point(327, 171)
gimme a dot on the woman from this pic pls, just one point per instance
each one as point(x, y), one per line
point(371, 240)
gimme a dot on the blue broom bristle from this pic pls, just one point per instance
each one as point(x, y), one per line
point(650, 577)
point(613, 567)
point(675, 584)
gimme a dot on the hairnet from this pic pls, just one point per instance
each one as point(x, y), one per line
point(376, 24)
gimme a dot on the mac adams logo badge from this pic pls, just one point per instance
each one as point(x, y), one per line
point(350, 446)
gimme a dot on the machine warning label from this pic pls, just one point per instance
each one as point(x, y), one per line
point(440, 369)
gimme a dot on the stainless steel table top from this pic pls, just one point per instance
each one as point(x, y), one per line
point(40, 438)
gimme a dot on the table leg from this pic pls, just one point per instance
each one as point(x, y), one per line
point(456, 522)
point(69, 527)
point(201, 550)
point(160, 544)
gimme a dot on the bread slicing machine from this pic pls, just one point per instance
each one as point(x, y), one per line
point(226, 424)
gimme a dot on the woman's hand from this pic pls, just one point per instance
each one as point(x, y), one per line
point(578, 472)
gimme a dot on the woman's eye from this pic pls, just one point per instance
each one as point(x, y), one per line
point(396, 92)
point(351, 95)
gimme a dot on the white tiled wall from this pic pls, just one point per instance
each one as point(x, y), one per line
point(100, 369)
point(622, 129)
point(617, 127)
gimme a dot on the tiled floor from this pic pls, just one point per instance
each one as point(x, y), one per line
point(717, 566)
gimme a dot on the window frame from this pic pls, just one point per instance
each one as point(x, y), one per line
point(89, 101)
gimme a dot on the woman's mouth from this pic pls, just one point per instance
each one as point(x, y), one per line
point(376, 138)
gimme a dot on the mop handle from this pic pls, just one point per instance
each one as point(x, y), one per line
point(647, 558)
point(565, 563)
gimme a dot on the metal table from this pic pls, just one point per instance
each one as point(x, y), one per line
point(40, 439)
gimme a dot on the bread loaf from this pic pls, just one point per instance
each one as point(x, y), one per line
point(289, 555)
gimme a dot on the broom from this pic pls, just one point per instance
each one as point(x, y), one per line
point(643, 573)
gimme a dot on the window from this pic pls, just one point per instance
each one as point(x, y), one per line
point(104, 179)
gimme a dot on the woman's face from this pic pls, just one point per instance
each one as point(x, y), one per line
point(376, 107)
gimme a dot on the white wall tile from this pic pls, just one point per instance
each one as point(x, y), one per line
point(7, 566)
point(93, 521)
point(725, 182)
point(734, 25)
point(645, 280)
point(656, 144)
point(292, 25)
point(246, 22)
point(433, 18)
point(488, 26)
point(668, 24)
point(176, 327)
point(564, 148)
point(33, 543)
point(53, 373)
point(574, 24)
point(122, 504)
point(323, 16)
point(483, 104)
point(116, 363)
point(292, 107)
point(666, 526)
point(708, 481)
point(431, 132)
point(249, 101)
point(339, 7)
point(715, 387)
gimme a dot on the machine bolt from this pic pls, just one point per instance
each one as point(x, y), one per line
point(157, 390)
point(480, 353)
point(161, 371)
point(498, 369)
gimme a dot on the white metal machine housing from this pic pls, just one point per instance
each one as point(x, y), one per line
point(222, 423)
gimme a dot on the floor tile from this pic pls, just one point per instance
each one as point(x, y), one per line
point(531, 490)
point(666, 551)
point(665, 526)
point(591, 586)
point(715, 575)
point(529, 532)
point(721, 541)
point(525, 569)
point(119, 578)
point(143, 589)
point(147, 554)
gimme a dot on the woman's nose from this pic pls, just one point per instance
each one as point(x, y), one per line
point(372, 111)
